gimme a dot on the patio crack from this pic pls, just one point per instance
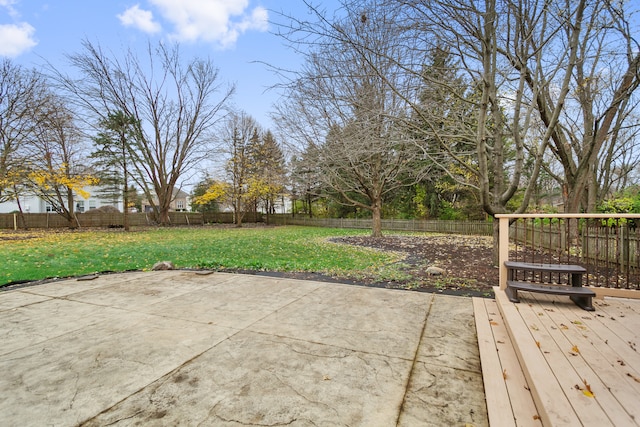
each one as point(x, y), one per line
point(415, 362)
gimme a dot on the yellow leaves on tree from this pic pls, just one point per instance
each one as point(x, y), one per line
point(47, 179)
point(215, 192)
point(259, 187)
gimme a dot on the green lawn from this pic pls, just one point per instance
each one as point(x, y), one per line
point(34, 255)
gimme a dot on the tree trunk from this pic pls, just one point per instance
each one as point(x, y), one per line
point(72, 218)
point(376, 220)
point(238, 215)
point(125, 195)
point(24, 222)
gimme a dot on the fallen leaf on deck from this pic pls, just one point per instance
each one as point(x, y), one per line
point(575, 349)
point(563, 326)
point(534, 328)
point(504, 374)
point(538, 344)
point(493, 323)
point(536, 417)
point(621, 362)
point(636, 379)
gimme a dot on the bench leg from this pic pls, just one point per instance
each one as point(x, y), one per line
point(582, 302)
point(512, 294)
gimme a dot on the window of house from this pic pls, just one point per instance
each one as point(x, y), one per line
point(92, 204)
point(179, 205)
point(80, 206)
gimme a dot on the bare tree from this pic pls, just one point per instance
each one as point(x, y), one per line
point(57, 173)
point(532, 65)
point(343, 111)
point(582, 71)
point(175, 104)
point(22, 97)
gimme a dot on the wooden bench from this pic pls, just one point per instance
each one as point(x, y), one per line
point(579, 295)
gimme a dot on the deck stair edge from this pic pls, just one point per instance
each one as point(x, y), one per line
point(555, 408)
point(508, 396)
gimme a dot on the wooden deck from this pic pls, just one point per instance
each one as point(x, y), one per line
point(547, 362)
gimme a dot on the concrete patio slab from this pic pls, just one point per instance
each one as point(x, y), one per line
point(177, 348)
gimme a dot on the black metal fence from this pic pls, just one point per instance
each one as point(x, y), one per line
point(609, 248)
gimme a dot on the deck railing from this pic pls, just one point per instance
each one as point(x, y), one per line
point(607, 245)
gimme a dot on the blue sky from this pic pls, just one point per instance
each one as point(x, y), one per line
point(233, 33)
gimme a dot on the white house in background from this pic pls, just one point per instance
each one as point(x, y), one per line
point(34, 204)
point(180, 202)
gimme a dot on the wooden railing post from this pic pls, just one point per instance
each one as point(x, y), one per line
point(503, 250)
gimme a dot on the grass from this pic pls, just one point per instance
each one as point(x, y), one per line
point(35, 255)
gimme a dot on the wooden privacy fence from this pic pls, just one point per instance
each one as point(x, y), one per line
point(482, 228)
point(101, 220)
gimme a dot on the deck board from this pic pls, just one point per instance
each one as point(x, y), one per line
point(572, 356)
point(606, 326)
point(499, 404)
point(554, 409)
point(561, 348)
point(556, 354)
point(603, 364)
point(503, 375)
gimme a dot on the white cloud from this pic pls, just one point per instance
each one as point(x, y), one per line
point(16, 39)
point(8, 5)
point(140, 19)
point(216, 21)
